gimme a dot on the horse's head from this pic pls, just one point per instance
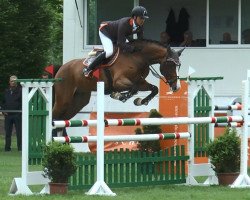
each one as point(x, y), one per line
point(169, 68)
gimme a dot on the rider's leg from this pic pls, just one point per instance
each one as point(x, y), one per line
point(88, 70)
point(108, 51)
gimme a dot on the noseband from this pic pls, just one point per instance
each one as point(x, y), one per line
point(173, 78)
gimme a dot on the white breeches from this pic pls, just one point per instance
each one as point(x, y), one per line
point(107, 44)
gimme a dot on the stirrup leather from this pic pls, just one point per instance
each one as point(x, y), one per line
point(87, 72)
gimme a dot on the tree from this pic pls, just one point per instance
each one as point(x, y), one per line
point(30, 37)
point(56, 48)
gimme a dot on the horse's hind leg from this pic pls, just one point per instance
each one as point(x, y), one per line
point(60, 107)
point(78, 102)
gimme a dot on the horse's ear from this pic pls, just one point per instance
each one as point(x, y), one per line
point(169, 48)
point(180, 51)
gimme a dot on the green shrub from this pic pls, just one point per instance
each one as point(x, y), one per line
point(150, 146)
point(224, 152)
point(59, 162)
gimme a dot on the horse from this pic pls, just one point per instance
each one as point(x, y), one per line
point(126, 78)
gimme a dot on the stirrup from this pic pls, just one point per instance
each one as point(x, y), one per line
point(87, 72)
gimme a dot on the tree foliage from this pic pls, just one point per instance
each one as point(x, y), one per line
point(30, 37)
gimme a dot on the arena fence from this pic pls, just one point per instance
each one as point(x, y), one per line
point(132, 168)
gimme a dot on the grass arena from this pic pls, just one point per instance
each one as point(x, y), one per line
point(175, 164)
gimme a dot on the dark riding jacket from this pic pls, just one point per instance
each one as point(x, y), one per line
point(120, 30)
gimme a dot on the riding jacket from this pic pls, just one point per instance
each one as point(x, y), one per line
point(120, 30)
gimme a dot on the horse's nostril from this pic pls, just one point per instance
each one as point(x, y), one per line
point(175, 88)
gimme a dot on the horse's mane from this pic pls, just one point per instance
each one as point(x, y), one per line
point(146, 41)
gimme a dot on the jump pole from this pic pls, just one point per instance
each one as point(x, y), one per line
point(229, 107)
point(121, 138)
point(148, 121)
point(243, 179)
point(100, 187)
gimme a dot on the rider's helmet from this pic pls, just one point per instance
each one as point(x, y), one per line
point(139, 11)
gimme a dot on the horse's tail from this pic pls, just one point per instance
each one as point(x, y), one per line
point(56, 69)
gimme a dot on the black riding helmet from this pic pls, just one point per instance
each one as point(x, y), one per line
point(139, 11)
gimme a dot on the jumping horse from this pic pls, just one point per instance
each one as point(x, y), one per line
point(127, 76)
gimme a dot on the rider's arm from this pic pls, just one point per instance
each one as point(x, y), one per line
point(140, 33)
point(121, 39)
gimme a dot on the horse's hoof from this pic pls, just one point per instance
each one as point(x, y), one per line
point(112, 95)
point(115, 95)
point(137, 101)
point(145, 103)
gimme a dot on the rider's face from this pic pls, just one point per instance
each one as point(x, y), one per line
point(139, 21)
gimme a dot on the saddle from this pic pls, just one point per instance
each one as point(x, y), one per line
point(95, 52)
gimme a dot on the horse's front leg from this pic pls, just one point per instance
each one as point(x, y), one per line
point(145, 86)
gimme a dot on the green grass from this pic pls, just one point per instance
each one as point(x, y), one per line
point(10, 167)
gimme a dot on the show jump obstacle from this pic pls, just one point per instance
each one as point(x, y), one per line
point(30, 87)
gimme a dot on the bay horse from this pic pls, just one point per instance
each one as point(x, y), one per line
point(127, 73)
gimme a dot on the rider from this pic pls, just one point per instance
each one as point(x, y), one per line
point(117, 32)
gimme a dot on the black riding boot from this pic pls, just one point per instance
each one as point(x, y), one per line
point(94, 64)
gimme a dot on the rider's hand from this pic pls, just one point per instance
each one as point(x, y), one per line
point(137, 49)
point(129, 49)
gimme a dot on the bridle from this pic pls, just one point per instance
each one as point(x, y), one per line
point(173, 78)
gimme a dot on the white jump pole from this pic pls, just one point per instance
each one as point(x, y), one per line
point(149, 121)
point(243, 179)
point(122, 138)
point(100, 187)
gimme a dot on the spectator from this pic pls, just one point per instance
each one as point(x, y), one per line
point(227, 39)
point(12, 101)
point(246, 36)
point(188, 40)
point(45, 75)
point(165, 38)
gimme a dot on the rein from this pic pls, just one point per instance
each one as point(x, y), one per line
point(78, 13)
point(156, 74)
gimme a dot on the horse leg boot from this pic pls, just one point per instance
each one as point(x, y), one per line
point(88, 70)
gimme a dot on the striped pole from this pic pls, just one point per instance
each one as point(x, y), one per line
point(230, 124)
point(229, 107)
point(73, 123)
point(120, 138)
point(177, 120)
point(149, 121)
